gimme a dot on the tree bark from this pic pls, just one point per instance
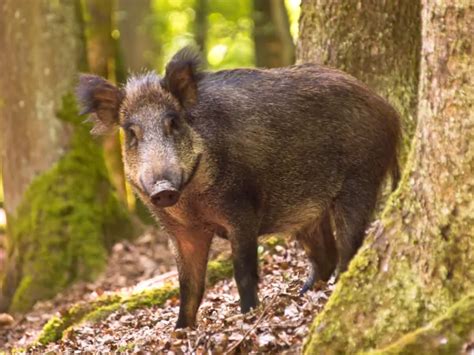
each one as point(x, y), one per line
point(376, 41)
point(138, 50)
point(62, 213)
point(273, 42)
point(200, 25)
point(135, 35)
point(102, 53)
point(418, 260)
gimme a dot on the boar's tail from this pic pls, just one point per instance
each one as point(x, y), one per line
point(395, 173)
point(395, 125)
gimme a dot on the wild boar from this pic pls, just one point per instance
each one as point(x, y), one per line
point(240, 153)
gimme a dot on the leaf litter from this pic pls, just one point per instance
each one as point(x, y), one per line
point(280, 324)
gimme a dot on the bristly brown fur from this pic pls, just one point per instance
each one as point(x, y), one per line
point(300, 150)
point(182, 76)
point(143, 90)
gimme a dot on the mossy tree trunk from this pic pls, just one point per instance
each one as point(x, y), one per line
point(376, 41)
point(274, 45)
point(417, 262)
point(102, 53)
point(62, 212)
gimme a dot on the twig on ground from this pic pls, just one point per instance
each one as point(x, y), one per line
point(264, 312)
point(196, 343)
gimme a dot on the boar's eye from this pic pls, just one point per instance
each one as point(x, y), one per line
point(132, 133)
point(171, 123)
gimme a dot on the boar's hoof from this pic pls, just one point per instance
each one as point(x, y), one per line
point(311, 280)
point(164, 195)
point(307, 285)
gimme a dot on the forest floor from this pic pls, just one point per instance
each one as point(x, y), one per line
point(280, 324)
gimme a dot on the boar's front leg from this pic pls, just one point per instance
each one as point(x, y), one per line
point(245, 259)
point(191, 251)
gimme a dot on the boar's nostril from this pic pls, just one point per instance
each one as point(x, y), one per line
point(165, 198)
point(164, 194)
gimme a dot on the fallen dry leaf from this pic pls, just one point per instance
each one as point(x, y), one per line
point(6, 320)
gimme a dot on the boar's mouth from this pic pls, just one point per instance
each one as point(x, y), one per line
point(194, 169)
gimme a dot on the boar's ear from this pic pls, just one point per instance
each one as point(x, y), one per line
point(182, 75)
point(102, 100)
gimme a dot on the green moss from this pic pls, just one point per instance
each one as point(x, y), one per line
point(144, 299)
point(97, 310)
point(53, 330)
point(273, 240)
point(359, 273)
point(350, 322)
point(102, 307)
point(126, 348)
point(219, 269)
point(68, 218)
point(391, 288)
point(446, 334)
point(149, 298)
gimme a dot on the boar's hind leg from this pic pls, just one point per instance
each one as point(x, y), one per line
point(245, 260)
point(320, 246)
point(352, 210)
point(191, 255)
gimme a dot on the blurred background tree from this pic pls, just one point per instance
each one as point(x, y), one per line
point(274, 45)
point(139, 46)
point(103, 58)
point(63, 215)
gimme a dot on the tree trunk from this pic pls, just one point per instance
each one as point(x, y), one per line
point(135, 35)
point(62, 213)
point(273, 42)
point(102, 53)
point(141, 51)
point(376, 41)
point(418, 260)
point(200, 25)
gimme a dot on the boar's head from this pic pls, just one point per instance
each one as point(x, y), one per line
point(161, 150)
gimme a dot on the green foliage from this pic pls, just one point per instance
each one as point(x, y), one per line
point(229, 38)
point(294, 10)
point(1, 190)
point(229, 41)
point(219, 269)
point(67, 220)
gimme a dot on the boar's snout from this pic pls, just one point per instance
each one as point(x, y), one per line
point(164, 194)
